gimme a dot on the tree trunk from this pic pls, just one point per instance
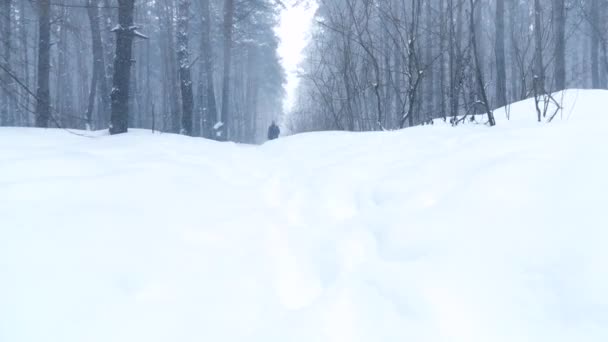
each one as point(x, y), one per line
point(5, 31)
point(207, 54)
point(478, 67)
point(43, 97)
point(184, 66)
point(228, 28)
point(23, 26)
point(442, 59)
point(171, 62)
point(539, 68)
point(560, 44)
point(429, 64)
point(109, 47)
point(501, 68)
point(98, 79)
point(122, 67)
point(595, 44)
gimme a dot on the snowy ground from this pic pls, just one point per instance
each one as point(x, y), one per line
point(428, 234)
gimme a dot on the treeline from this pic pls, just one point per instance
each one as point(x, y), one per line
point(386, 64)
point(197, 67)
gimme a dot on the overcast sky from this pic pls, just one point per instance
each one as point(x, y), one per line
point(294, 30)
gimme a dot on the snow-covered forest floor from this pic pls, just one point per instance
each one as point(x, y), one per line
point(427, 234)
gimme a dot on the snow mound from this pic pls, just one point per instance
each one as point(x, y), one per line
point(428, 234)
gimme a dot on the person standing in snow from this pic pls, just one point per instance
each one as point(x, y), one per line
point(273, 131)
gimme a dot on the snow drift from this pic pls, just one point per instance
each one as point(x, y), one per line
point(427, 234)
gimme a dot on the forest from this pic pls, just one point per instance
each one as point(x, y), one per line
point(210, 68)
point(172, 66)
point(375, 65)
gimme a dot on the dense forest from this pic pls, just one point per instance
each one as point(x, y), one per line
point(210, 68)
point(180, 66)
point(387, 64)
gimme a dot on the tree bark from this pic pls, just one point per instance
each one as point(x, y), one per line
point(98, 79)
point(595, 44)
point(207, 53)
point(560, 44)
point(228, 30)
point(501, 68)
point(539, 68)
point(184, 66)
point(122, 67)
point(43, 105)
point(5, 31)
point(478, 66)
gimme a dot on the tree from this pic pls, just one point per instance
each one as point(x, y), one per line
point(594, 24)
point(207, 54)
point(228, 30)
point(501, 68)
point(184, 66)
point(560, 44)
point(125, 32)
point(5, 56)
point(43, 97)
point(539, 64)
point(98, 79)
point(478, 68)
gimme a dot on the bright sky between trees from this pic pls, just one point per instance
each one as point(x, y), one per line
point(294, 29)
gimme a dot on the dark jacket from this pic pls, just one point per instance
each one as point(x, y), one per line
point(273, 132)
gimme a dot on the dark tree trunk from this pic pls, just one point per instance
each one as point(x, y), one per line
point(228, 28)
point(501, 68)
point(560, 44)
point(43, 97)
point(184, 66)
point(122, 67)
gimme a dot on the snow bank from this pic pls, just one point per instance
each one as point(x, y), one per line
point(428, 234)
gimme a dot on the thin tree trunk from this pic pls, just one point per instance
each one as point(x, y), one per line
point(478, 66)
point(560, 44)
point(184, 66)
point(228, 28)
point(539, 76)
point(98, 79)
point(43, 106)
point(595, 44)
point(5, 31)
point(211, 113)
point(501, 72)
point(430, 74)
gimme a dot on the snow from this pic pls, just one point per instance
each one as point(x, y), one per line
point(428, 234)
